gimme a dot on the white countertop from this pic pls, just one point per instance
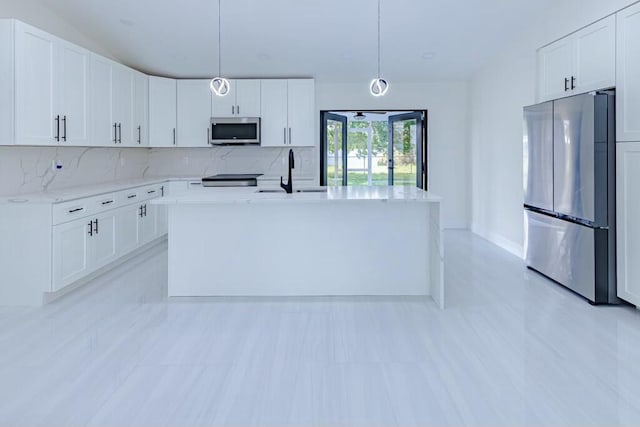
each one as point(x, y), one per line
point(73, 193)
point(203, 196)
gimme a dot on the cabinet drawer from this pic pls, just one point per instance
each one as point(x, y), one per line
point(68, 211)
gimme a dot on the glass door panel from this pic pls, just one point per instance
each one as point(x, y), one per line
point(405, 163)
point(335, 133)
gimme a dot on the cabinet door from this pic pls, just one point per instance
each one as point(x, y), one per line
point(162, 112)
point(74, 64)
point(103, 243)
point(555, 64)
point(35, 92)
point(273, 106)
point(194, 113)
point(595, 56)
point(628, 75)
point(140, 109)
point(70, 252)
point(248, 98)
point(148, 223)
point(225, 106)
point(104, 133)
point(123, 104)
point(301, 113)
point(128, 220)
point(162, 219)
point(628, 226)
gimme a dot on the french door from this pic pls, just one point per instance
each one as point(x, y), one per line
point(334, 165)
point(395, 153)
point(405, 149)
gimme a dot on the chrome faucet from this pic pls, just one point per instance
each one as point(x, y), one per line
point(288, 187)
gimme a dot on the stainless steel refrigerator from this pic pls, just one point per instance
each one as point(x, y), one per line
point(569, 193)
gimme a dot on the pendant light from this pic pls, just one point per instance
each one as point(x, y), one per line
point(378, 86)
point(219, 85)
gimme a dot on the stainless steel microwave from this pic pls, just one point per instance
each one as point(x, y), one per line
point(234, 131)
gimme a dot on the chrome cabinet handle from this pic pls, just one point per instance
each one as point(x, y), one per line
point(119, 133)
point(233, 109)
point(284, 136)
point(64, 128)
point(139, 134)
point(96, 230)
point(289, 136)
point(238, 109)
point(115, 133)
point(208, 136)
point(174, 136)
point(90, 228)
point(573, 83)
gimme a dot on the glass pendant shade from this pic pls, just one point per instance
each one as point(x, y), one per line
point(379, 87)
point(220, 86)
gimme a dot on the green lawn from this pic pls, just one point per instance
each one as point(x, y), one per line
point(402, 176)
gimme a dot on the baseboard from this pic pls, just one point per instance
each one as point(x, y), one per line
point(135, 256)
point(500, 241)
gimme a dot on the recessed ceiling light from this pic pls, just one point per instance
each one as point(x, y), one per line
point(428, 55)
point(127, 22)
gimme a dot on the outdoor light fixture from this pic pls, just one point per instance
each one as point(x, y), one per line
point(378, 86)
point(219, 85)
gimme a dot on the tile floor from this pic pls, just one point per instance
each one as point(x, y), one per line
point(510, 349)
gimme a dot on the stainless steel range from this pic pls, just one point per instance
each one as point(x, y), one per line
point(231, 180)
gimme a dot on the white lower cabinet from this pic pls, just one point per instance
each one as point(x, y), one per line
point(128, 229)
point(70, 252)
point(627, 224)
point(103, 246)
point(148, 225)
point(87, 234)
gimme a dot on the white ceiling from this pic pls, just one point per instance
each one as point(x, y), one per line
point(331, 40)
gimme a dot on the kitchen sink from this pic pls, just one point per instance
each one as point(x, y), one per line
point(301, 190)
point(312, 190)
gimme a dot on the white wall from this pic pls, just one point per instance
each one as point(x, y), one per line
point(497, 94)
point(448, 152)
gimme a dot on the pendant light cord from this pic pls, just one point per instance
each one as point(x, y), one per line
point(378, 38)
point(220, 41)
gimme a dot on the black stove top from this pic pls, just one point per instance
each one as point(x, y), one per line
point(232, 177)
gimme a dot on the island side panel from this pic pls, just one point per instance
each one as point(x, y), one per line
point(297, 249)
point(436, 255)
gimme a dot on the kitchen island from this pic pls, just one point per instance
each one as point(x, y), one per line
point(340, 241)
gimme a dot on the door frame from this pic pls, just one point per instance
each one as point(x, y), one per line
point(421, 148)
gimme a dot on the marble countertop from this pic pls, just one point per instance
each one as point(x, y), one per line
point(203, 196)
point(72, 193)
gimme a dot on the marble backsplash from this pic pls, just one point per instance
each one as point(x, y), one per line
point(31, 169)
point(272, 162)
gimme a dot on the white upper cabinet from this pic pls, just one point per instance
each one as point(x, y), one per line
point(51, 89)
point(301, 112)
point(104, 129)
point(273, 123)
point(112, 93)
point(140, 109)
point(242, 101)
point(628, 75)
point(288, 113)
point(162, 112)
point(123, 104)
point(579, 63)
point(194, 113)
